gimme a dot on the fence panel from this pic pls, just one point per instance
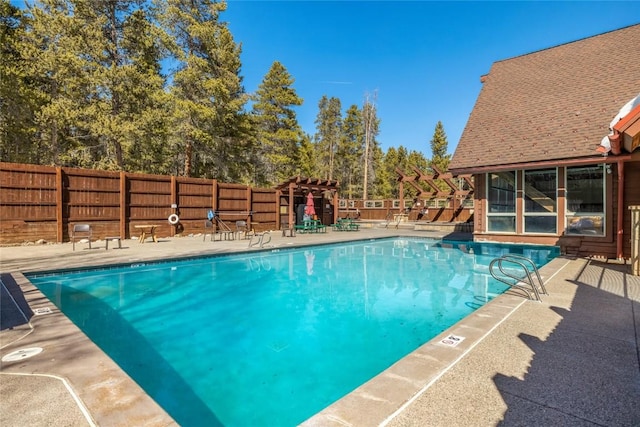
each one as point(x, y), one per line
point(90, 197)
point(264, 205)
point(27, 203)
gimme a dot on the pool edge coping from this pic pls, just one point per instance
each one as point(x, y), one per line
point(386, 395)
point(84, 386)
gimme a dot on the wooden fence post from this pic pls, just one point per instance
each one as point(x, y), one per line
point(214, 195)
point(249, 205)
point(123, 220)
point(60, 220)
point(174, 202)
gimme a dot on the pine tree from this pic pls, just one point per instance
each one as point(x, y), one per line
point(439, 144)
point(277, 128)
point(307, 159)
point(349, 154)
point(390, 162)
point(371, 125)
point(128, 104)
point(211, 131)
point(56, 50)
point(381, 181)
point(18, 93)
point(327, 138)
point(95, 64)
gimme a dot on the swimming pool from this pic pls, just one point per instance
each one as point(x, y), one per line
point(271, 338)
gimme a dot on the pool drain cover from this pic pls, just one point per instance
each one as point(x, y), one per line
point(24, 353)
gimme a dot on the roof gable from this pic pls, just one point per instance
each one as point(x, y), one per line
point(553, 104)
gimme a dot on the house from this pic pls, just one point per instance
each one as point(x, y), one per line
point(552, 144)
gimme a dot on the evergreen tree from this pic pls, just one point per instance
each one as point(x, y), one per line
point(439, 144)
point(308, 166)
point(349, 154)
point(382, 181)
point(18, 93)
point(128, 103)
point(95, 65)
point(390, 163)
point(371, 125)
point(417, 159)
point(57, 56)
point(327, 138)
point(277, 128)
point(211, 131)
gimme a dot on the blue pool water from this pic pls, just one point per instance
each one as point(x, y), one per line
point(270, 338)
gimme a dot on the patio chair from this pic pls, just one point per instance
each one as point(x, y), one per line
point(80, 232)
point(286, 229)
point(242, 228)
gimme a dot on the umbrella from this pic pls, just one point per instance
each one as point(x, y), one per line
point(309, 209)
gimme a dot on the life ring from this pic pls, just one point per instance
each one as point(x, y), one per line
point(173, 219)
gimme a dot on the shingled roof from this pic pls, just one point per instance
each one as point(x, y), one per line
point(554, 104)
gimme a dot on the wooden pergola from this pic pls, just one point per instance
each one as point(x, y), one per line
point(454, 191)
point(300, 186)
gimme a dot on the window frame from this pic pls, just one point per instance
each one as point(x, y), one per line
point(511, 215)
point(526, 214)
point(571, 215)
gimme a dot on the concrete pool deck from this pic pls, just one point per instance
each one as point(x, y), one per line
point(571, 360)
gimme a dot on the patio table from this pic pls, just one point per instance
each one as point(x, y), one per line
point(147, 230)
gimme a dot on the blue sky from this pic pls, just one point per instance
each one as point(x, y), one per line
point(422, 59)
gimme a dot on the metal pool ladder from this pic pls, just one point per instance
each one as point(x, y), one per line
point(516, 271)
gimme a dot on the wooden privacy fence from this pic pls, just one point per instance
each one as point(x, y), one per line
point(43, 202)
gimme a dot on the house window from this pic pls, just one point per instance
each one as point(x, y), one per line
point(540, 201)
point(342, 204)
point(395, 204)
point(585, 200)
point(501, 198)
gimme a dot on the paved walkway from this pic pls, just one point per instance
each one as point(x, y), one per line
point(571, 360)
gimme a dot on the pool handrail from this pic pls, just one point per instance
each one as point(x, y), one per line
point(519, 282)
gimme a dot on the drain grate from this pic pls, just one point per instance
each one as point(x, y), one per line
point(21, 354)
